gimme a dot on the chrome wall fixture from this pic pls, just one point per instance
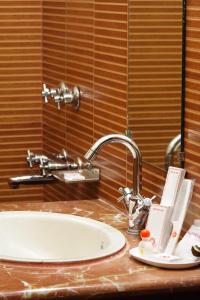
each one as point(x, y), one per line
point(60, 167)
point(62, 94)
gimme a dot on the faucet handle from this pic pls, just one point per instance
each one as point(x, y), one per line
point(125, 191)
point(42, 166)
point(148, 201)
point(126, 195)
point(45, 92)
point(29, 158)
point(63, 88)
point(73, 96)
point(35, 158)
point(63, 155)
point(58, 99)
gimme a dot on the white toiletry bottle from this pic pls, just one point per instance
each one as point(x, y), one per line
point(145, 246)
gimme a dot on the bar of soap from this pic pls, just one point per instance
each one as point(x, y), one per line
point(73, 176)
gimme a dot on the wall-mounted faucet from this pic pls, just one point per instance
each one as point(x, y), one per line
point(137, 205)
point(62, 168)
point(47, 165)
point(62, 94)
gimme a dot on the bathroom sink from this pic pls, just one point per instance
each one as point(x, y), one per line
point(29, 236)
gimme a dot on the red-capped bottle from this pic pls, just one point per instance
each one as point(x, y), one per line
point(145, 246)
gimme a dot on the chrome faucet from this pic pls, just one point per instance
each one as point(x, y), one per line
point(131, 145)
point(137, 205)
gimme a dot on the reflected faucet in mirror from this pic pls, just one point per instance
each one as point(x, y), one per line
point(156, 86)
point(136, 205)
point(172, 148)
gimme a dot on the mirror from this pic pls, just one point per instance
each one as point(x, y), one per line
point(155, 94)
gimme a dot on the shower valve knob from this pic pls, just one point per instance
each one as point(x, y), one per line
point(30, 156)
point(53, 92)
point(58, 99)
point(63, 155)
point(68, 97)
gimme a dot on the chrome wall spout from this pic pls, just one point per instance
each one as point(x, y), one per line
point(133, 148)
point(30, 179)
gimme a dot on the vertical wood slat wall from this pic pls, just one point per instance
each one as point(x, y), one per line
point(20, 101)
point(192, 104)
point(155, 50)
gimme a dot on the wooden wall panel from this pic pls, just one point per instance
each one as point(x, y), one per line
point(54, 71)
point(80, 72)
point(192, 105)
point(20, 101)
point(154, 96)
point(69, 58)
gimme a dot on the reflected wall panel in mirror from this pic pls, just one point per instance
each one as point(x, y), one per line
point(192, 106)
point(155, 70)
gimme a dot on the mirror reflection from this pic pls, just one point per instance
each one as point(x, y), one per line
point(155, 70)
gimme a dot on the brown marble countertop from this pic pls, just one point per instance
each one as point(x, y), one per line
point(118, 274)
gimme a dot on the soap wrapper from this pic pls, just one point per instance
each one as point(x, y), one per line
point(71, 176)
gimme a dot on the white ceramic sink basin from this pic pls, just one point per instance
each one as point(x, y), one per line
point(53, 237)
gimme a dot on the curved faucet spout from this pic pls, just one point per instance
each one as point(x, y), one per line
point(133, 148)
